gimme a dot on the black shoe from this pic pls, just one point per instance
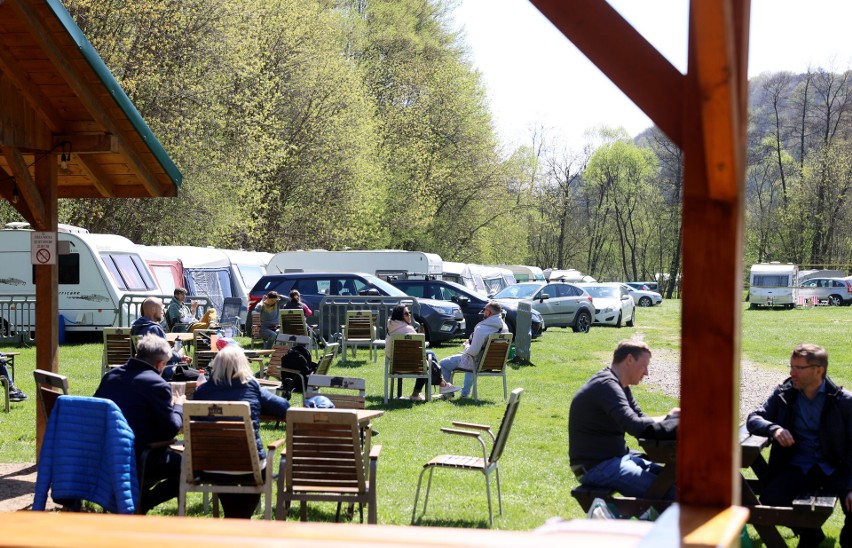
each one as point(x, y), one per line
point(17, 396)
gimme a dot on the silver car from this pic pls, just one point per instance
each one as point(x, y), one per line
point(835, 291)
point(560, 304)
point(644, 297)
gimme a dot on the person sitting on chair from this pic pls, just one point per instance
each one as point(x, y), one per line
point(400, 324)
point(153, 413)
point(475, 346)
point(233, 380)
point(268, 310)
point(178, 313)
point(15, 393)
point(149, 323)
point(295, 303)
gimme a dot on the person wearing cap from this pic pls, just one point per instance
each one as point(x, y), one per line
point(268, 310)
point(474, 347)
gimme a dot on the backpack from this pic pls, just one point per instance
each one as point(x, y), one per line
point(297, 359)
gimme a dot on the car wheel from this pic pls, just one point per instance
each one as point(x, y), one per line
point(834, 300)
point(618, 321)
point(645, 301)
point(583, 322)
point(632, 319)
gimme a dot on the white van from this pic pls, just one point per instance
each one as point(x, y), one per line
point(773, 284)
point(383, 263)
point(96, 272)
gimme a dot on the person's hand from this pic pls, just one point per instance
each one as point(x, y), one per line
point(179, 400)
point(784, 437)
point(847, 502)
point(194, 305)
point(186, 359)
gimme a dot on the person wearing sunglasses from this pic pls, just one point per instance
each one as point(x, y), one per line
point(809, 419)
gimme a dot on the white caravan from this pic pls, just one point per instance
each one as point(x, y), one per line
point(773, 284)
point(206, 272)
point(467, 275)
point(496, 278)
point(96, 271)
point(570, 275)
point(524, 273)
point(383, 263)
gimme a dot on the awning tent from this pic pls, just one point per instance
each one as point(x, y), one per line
point(67, 130)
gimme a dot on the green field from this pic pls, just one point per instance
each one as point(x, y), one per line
point(536, 479)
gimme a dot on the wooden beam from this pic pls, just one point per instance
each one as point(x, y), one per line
point(10, 67)
point(47, 285)
point(26, 186)
point(82, 88)
point(96, 174)
point(86, 144)
point(713, 217)
point(630, 61)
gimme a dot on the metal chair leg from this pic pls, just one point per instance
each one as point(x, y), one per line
point(488, 492)
point(417, 496)
point(499, 494)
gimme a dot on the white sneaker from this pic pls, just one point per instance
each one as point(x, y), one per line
point(449, 389)
point(417, 397)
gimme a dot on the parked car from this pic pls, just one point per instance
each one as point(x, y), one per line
point(560, 304)
point(643, 297)
point(470, 302)
point(613, 303)
point(835, 291)
point(442, 320)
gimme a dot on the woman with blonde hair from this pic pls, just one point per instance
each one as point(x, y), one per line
point(231, 379)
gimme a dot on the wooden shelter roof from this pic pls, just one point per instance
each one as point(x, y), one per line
point(57, 97)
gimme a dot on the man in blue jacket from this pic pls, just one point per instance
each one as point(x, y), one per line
point(149, 323)
point(152, 412)
point(809, 419)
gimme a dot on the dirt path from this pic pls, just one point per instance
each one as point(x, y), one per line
point(17, 487)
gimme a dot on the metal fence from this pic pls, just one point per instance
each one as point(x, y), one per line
point(130, 306)
point(17, 319)
point(332, 312)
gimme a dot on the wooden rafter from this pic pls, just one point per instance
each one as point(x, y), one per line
point(93, 104)
point(25, 183)
point(36, 99)
point(630, 61)
point(99, 179)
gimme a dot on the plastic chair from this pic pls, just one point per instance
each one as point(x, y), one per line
point(485, 464)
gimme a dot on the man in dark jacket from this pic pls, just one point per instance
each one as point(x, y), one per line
point(149, 324)
point(809, 419)
point(153, 414)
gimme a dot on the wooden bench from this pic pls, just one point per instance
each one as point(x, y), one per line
point(626, 506)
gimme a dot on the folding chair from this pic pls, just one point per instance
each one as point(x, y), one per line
point(485, 464)
point(359, 330)
point(231, 315)
point(291, 321)
point(49, 386)
point(324, 461)
point(406, 359)
point(344, 392)
point(219, 437)
point(282, 346)
point(492, 363)
point(117, 348)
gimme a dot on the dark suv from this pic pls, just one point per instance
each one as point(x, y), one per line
point(442, 320)
point(470, 302)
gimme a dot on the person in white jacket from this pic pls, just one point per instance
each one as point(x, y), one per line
point(400, 324)
point(473, 347)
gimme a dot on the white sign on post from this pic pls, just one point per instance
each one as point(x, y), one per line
point(43, 246)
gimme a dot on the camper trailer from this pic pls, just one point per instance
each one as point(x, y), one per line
point(496, 278)
point(773, 284)
point(168, 271)
point(525, 273)
point(97, 273)
point(383, 263)
point(206, 272)
point(464, 274)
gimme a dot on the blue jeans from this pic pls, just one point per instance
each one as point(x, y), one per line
point(630, 475)
point(452, 363)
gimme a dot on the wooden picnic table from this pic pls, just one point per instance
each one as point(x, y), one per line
point(10, 363)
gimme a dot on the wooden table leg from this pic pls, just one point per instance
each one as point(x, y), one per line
point(768, 534)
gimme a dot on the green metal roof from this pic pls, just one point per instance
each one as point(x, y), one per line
point(109, 81)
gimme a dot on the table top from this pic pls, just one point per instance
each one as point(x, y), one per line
point(172, 337)
point(61, 529)
point(248, 352)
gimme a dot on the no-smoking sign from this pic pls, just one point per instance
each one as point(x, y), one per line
point(43, 248)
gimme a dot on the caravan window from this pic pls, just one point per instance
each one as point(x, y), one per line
point(69, 269)
point(128, 272)
point(770, 280)
point(250, 274)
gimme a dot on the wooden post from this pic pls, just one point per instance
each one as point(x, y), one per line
point(46, 285)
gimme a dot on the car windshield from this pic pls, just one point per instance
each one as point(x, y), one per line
point(603, 292)
point(518, 291)
point(385, 287)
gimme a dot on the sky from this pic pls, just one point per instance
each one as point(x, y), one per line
point(535, 76)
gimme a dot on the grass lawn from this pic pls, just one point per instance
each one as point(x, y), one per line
point(536, 478)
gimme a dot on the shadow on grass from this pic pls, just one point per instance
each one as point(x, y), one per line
point(426, 521)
